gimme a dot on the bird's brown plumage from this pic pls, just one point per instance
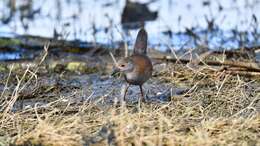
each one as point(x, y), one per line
point(142, 70)
point(138, 67)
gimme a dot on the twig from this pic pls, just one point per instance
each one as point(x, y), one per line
point(19, 87)
point(112, 56)
point(250, 106)
point(124, 39)
point(6, 86)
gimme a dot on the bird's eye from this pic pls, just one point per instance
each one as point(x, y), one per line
point(122, 65)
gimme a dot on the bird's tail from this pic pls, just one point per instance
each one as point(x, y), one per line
point(141, 42)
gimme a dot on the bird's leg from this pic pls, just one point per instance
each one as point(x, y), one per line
point(127, 86)
point(142, 94)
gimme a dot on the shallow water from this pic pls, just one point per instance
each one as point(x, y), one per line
point(76, 20)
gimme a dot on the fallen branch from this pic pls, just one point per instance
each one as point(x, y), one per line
point(243, 73)
point(248, 65)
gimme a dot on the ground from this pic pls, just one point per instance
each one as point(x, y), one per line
point(71, 101)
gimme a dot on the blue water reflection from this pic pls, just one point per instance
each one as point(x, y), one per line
point(99, 21)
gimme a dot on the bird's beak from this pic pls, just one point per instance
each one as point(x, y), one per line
point(115, 70)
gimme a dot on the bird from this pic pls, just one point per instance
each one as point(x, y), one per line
point(137, 68)
point(135, 14)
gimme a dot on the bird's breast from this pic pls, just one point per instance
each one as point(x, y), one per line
point(142, 70)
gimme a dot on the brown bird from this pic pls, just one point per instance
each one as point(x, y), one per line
point(137, 68)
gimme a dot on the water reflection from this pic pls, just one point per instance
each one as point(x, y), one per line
point(10, 55)
point(186, 23)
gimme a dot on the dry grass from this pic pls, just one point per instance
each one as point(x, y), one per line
point(219, 109)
